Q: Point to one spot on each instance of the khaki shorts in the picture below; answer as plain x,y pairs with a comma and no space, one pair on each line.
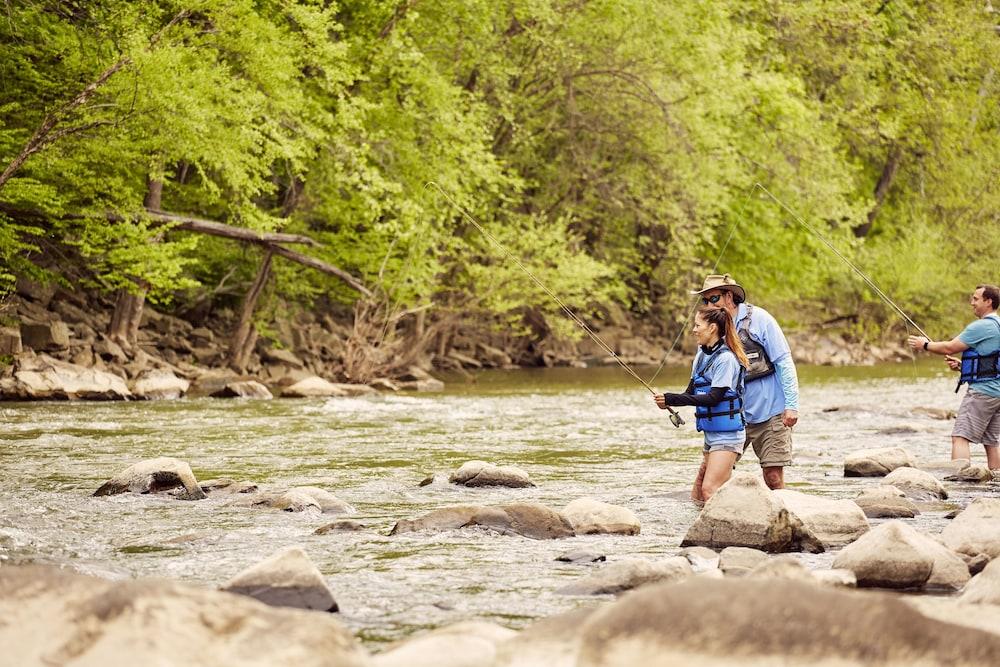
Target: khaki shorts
771,442
978,419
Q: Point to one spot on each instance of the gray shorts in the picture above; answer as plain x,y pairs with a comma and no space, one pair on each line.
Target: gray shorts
734,447
978,419
771,442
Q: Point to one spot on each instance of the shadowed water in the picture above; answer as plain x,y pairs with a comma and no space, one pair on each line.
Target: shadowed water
576,432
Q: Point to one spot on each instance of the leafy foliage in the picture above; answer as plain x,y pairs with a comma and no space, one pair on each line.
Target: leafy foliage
613,146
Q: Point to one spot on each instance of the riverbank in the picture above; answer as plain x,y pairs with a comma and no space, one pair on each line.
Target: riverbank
60,336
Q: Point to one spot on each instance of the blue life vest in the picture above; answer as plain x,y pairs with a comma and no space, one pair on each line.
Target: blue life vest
726,415
979,367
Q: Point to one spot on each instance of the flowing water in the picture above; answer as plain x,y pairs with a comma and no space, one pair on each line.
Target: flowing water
586,432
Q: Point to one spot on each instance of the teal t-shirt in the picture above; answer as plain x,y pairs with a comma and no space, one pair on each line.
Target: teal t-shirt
983,336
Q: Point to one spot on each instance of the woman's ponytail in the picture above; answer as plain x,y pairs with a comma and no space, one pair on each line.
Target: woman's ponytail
727,331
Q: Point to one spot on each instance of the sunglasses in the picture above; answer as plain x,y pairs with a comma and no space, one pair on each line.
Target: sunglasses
712,299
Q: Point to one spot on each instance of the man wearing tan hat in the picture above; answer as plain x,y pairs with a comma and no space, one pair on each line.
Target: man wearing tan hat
771,397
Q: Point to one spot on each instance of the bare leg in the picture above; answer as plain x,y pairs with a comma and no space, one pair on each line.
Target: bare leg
696,489
992,457
774,477
718,470
960,448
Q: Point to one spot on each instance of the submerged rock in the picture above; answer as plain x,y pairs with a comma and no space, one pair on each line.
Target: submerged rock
286,579
589,516
301,498
481,473
152,476
886,502
628,574
894,555
877,462
526,519
52,616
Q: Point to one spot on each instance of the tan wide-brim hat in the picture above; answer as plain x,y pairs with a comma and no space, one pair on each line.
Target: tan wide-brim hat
724,282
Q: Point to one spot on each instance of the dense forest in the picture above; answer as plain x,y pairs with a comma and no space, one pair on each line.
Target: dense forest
297,154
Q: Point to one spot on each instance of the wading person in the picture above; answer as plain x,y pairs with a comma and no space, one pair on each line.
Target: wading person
979,413
771,398
716,391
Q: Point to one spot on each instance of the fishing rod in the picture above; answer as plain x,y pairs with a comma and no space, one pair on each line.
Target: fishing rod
878,291
675,417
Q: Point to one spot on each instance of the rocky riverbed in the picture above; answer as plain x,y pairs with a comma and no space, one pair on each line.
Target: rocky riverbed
559,566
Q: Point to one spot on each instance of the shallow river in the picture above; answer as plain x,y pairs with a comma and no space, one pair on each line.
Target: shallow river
576,432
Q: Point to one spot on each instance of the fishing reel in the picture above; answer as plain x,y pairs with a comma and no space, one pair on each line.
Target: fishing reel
675,419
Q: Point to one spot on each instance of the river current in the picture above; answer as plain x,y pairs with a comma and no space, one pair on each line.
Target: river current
577,432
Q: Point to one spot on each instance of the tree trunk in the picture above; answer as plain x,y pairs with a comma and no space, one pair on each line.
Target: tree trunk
881,189
245,336
124,328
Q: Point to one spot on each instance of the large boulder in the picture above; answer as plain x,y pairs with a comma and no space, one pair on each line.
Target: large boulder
152,476
526,519
45,336
886,502
894,555
159,384
54,617
984,588
10,342
286,579
589,516
465,644
877,462
916,484
976,530
745,513
628,574
833,522
664,625
44,378
481,473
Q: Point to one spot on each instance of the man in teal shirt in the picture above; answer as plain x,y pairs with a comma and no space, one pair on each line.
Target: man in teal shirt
979,414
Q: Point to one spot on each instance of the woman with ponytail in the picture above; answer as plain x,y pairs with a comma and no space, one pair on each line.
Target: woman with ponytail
716,391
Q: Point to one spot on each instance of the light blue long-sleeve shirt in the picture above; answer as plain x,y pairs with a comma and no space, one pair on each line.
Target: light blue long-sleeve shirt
772,395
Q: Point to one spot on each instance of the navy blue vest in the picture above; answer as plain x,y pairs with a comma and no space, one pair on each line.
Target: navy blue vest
978,367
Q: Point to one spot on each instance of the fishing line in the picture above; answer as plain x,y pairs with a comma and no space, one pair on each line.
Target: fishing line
715,268
675,417
869,281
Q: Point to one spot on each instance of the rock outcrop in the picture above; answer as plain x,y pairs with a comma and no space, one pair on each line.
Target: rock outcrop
833,522
916,484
